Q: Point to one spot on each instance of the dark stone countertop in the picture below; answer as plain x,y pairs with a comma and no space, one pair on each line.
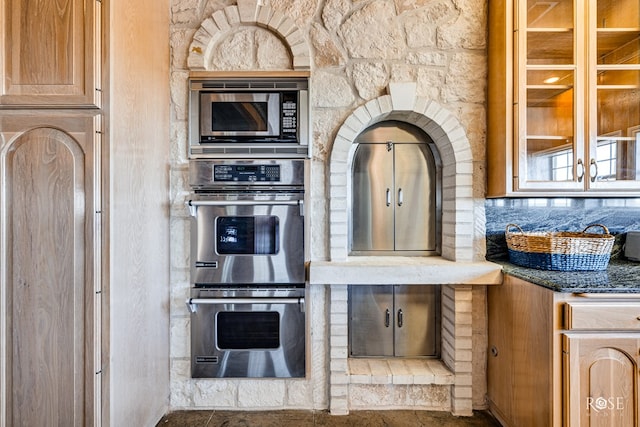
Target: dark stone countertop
621,276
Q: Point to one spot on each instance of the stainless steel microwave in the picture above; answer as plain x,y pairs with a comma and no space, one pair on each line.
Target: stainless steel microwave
262,117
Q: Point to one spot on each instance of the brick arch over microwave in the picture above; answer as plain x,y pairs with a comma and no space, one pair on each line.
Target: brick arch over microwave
454,148
247,12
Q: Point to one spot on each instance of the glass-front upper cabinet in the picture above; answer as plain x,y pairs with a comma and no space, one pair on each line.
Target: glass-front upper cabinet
614,94
565,109
548,93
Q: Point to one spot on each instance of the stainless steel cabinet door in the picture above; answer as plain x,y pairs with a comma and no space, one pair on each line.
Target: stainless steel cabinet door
371,320
394,320
415,222
373,207
416,320
394,198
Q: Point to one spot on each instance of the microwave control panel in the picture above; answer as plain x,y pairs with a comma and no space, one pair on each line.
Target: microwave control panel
289,114
246,173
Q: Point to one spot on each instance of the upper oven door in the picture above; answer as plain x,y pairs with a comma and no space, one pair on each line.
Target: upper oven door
247,241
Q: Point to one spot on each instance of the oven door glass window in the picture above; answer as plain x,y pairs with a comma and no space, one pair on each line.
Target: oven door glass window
244,330
247,235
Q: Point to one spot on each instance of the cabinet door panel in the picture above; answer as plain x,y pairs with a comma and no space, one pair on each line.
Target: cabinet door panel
371,320
415,222
50,52
601,379
373,205
416,319
47,205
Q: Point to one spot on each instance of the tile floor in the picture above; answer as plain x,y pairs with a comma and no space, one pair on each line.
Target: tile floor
324,419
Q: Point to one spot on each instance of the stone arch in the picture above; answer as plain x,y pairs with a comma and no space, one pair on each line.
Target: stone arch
247,13
443,127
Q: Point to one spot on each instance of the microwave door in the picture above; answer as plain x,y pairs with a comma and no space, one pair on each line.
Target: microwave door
228,115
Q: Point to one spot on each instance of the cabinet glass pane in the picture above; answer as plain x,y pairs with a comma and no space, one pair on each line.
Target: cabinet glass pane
550,14
550,111
618,14
549,47
550,78
550,34
550,125
618,141
550,159
618,47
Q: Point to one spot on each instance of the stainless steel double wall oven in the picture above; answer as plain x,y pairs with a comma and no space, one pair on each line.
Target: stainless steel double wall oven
247,268
248,144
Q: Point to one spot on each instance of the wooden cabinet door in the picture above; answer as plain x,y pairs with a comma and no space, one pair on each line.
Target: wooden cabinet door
50,52
520,368
601,379
500,376
48,288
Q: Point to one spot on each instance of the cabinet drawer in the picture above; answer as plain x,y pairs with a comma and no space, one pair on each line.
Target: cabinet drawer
602,315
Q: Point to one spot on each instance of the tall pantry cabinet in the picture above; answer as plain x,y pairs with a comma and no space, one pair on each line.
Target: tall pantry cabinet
83,212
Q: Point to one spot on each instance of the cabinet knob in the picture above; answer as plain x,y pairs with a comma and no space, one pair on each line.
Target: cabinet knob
494,351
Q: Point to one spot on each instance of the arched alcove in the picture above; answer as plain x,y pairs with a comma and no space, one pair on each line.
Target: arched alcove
249,13
454,149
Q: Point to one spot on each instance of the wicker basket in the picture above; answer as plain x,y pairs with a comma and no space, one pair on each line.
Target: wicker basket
562,251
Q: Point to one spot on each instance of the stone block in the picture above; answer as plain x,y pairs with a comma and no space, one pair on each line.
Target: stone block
403,95
247,10
220,18
214,394
179,337
261,393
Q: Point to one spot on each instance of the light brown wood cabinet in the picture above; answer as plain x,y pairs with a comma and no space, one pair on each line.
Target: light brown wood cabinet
50,53
562,359
602,362
564,98
50,157
84,222
48,281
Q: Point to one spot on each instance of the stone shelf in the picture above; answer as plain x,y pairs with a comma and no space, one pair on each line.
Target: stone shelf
389,270
398,371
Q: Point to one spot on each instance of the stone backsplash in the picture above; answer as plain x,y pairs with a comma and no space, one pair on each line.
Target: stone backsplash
559,214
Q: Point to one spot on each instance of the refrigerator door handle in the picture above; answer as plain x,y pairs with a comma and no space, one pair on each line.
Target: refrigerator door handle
400,318
387,318
388,197
400,198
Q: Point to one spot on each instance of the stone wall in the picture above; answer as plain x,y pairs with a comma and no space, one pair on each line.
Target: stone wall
355,48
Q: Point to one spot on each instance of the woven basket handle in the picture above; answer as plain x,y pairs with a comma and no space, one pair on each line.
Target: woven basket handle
513,225
604,229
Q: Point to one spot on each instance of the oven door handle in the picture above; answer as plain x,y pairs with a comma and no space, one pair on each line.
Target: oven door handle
192,204
192,302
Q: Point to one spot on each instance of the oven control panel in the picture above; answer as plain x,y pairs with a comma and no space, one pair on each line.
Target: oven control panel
246,173
215,175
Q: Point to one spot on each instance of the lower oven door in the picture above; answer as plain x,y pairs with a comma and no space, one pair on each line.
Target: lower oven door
258,241
247,333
